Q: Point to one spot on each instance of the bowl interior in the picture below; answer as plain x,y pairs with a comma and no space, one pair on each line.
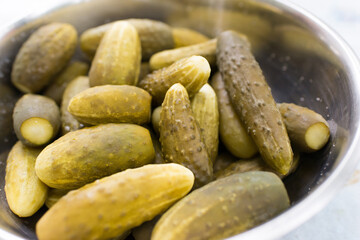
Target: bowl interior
298,64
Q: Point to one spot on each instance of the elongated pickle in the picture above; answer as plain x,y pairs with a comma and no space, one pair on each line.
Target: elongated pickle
36,119
25,193
54,196
223,208
168,57
232,131
206,112
42,56
192,73
252,100
154,35
111,104
186,37
68,121
85,155
155,119
101,210
308,131
118,58
56,89
180,136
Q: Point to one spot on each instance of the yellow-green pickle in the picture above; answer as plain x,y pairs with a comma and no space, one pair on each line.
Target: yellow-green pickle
252,100
113,205
111,104
25,193
118,57
42,56
192,72
82,156
223,208
186,37
232,131
180,136
36,119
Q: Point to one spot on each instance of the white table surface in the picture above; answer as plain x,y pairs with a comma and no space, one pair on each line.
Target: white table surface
340,219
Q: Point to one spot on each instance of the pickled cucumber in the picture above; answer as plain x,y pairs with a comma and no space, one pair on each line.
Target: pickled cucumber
192,73
252,100
225,207
42,56
113,205
180,136
111,104
25,193
36,119
82,156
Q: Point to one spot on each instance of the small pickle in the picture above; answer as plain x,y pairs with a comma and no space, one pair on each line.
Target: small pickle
42,56
168,57
185,37
180,136
101,210
56,89
154,35
308,131
25,193
192,73
118,58
232,131
85,155
205,108
223,208
68,121
111,104
36,119
252,100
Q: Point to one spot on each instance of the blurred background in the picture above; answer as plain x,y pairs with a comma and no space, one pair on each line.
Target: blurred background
341,218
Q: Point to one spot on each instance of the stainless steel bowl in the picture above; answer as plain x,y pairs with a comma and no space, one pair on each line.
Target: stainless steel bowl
303,60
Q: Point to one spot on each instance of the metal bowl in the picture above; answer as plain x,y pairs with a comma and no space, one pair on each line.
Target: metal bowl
303,60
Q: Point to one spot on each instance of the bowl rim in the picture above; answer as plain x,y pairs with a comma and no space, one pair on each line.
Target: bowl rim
308,206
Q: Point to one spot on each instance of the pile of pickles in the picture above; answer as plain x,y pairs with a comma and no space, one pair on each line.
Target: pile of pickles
128,144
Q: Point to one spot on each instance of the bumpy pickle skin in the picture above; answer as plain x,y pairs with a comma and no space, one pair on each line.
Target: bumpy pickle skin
42,56
180,136
192,72
68,122
111,104
25,193
252,100
36,119
101,210
82,156
308,131
167,57
154,35
232,131
223,208
56,89
118,57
